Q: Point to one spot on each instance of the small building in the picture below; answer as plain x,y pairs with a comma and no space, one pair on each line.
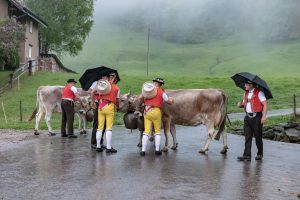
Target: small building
28,50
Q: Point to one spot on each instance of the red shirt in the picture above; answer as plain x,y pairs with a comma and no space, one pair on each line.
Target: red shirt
156,101
112,95
67,93
255,103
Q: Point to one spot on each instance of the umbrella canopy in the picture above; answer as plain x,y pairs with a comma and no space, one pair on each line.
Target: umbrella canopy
94,74
241,78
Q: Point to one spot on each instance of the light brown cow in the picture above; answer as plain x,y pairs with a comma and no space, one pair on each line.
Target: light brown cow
191,107
49,101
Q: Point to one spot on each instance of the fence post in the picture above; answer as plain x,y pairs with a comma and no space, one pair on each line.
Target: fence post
294,108
10,82
30,68
4,112
21,113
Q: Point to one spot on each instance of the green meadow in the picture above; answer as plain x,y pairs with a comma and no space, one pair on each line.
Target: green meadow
206,65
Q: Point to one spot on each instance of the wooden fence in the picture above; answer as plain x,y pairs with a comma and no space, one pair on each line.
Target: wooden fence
14,78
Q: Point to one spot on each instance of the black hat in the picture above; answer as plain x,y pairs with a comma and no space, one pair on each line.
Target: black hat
159,80
249,82
71,80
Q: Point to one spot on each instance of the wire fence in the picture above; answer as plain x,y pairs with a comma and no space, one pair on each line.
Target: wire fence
14,78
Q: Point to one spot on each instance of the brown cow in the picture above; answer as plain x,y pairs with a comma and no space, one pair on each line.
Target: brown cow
191,107
49,101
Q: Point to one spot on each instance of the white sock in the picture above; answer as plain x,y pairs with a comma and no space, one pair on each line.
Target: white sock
144,142
157,142
98,138
108,138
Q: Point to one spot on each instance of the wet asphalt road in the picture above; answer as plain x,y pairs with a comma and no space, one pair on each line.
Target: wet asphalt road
56,168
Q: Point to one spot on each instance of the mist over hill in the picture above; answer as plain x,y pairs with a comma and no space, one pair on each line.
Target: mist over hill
194,21
194,37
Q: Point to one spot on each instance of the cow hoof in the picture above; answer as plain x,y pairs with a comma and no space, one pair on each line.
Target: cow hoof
174,147
83,132
139,145
165,149
52,134
36,132
203,151
217,138
224,151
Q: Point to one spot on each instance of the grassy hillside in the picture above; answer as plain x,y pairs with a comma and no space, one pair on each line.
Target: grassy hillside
126,50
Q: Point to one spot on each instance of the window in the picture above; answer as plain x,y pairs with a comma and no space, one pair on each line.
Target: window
29,51
30,27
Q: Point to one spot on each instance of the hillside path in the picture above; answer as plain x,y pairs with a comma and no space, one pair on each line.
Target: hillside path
271,113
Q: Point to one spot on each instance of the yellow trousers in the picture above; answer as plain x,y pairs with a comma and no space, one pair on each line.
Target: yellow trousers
106,114
152,117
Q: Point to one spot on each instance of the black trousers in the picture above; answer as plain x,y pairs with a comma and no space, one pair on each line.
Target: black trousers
95,127
67,111
253,126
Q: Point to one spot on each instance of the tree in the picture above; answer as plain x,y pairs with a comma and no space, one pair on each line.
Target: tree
12,34
69,23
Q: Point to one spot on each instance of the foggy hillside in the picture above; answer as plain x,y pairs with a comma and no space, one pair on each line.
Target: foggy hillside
196,21
197,37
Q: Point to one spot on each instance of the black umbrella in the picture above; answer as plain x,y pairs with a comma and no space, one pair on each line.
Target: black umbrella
241,78
94,74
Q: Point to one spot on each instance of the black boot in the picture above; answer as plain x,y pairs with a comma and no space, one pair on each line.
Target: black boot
244,158
112,150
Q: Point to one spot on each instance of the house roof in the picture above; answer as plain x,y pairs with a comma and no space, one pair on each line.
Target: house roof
26,11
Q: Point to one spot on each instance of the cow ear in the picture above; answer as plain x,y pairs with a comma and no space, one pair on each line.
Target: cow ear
131,99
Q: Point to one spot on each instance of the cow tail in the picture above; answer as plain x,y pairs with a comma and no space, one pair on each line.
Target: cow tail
36,107
223,117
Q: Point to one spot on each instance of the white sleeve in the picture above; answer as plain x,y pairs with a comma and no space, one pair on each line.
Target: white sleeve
261,96
74,89
93,86
165,97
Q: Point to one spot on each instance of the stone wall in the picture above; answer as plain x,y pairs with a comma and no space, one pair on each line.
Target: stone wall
283,132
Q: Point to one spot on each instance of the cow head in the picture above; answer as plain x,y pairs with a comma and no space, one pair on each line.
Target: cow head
83,106
127,102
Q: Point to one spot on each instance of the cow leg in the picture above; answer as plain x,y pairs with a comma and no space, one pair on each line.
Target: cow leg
48,122
102,136
173,132
82,121
210,132
79,122
140,141
84,124
166,125
38,117
225,147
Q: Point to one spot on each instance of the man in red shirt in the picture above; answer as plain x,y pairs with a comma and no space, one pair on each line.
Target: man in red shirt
95,98
255,105
153,116
107,105
69,93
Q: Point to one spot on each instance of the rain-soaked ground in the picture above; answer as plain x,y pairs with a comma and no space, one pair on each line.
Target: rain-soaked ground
62,168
